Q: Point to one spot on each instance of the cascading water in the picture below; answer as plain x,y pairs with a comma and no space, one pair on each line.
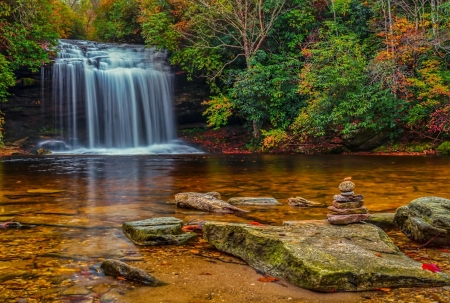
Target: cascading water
117,99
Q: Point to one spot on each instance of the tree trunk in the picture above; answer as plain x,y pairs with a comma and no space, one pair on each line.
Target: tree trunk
256,130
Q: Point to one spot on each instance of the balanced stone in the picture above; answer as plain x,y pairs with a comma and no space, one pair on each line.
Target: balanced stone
347,186
343,205
347,219
348,193
348,211
354,198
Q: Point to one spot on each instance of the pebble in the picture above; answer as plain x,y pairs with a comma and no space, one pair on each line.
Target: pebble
344,205
347,186
348,211
76,290
348,193
347,219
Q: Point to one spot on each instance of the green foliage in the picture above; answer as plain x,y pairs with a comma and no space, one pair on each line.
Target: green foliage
444,148
266,92
28,29
117,21
6,78
340,95
218,111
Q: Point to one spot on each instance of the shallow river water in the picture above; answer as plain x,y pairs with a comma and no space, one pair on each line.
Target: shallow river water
72,209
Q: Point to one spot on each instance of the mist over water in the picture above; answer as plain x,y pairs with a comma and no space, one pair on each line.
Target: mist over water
113,99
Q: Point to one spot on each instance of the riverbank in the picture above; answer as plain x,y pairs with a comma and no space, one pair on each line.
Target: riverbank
237,140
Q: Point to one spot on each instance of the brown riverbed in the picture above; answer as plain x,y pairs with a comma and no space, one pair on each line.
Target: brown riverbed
70,231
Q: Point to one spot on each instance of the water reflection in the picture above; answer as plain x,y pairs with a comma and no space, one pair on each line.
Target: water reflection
76,228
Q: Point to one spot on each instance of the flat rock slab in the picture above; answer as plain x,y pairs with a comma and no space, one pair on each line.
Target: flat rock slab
262,201
157,231
321,256
424,219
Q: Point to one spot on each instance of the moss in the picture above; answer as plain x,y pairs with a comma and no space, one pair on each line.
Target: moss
28,81
444,148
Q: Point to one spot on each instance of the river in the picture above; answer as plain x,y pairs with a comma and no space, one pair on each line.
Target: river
72,207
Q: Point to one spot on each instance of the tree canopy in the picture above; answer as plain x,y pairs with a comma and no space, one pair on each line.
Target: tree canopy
293,69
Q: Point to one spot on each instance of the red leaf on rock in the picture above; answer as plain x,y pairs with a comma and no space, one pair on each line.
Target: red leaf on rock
256,223
191,228
430,266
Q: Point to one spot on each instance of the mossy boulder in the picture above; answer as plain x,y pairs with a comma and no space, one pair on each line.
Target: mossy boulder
157,231
323,257
424,219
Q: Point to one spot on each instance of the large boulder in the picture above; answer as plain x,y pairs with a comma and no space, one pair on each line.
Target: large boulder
323,257
157,231
425,219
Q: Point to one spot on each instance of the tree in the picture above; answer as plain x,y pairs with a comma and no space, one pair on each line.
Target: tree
340,95
28,28
117,21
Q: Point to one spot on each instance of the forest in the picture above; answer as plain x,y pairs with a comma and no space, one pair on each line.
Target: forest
293,70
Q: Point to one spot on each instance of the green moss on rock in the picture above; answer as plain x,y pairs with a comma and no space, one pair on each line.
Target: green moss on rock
323,257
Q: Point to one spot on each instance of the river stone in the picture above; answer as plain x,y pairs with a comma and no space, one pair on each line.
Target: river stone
349,211
204,202
157,231
324,257
348,193
347,186
253,201
302,202
214,194
425,218
343,205
116,268
76,290
355,198
346,219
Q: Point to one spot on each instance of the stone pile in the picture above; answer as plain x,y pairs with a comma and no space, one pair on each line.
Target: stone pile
347,207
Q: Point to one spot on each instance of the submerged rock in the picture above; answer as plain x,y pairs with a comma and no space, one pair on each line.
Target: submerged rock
204,202
302,202
424,219
262,201
324,257
116,268
157,231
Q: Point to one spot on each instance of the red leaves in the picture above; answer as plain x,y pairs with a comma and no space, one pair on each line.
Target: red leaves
256,223
431,267
444,250
191,228
268,279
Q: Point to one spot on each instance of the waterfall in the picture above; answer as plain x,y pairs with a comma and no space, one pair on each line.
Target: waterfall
109,96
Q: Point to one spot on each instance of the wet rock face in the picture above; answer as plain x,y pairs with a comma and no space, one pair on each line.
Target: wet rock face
424,219
324,257
117,268
157,231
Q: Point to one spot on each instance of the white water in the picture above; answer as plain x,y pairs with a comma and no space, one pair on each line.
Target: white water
124,95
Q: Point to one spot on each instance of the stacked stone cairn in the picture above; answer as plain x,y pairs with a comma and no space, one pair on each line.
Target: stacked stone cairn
347,207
